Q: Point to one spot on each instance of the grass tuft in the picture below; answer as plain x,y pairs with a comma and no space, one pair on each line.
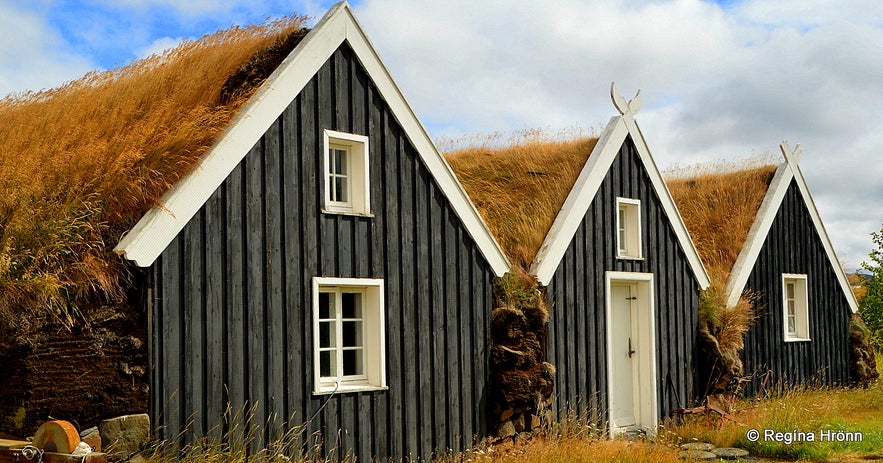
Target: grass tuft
81,162
519,183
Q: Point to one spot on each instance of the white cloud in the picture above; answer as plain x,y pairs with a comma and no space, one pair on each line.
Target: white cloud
33,56
717,82
158,46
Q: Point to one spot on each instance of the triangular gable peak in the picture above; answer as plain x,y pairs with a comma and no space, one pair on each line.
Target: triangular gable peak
787,171
589,181
153,233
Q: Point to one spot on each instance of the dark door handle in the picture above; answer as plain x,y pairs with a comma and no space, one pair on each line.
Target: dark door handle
631,351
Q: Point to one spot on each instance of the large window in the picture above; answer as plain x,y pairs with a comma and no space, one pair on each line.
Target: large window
347,183
348,334
628,228
796,312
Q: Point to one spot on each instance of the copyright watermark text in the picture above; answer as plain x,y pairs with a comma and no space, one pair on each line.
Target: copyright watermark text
790,437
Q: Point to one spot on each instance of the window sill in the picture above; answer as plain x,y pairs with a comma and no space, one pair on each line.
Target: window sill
351,388
798,339
629,257
351,213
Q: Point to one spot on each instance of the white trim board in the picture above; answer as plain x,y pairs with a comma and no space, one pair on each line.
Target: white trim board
159,226
586,187
769,207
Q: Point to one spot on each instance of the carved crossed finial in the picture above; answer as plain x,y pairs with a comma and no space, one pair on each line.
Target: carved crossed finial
621,104
791,156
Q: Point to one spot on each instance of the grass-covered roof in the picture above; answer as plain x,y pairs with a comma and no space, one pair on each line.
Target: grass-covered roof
719,203
519,188
79,164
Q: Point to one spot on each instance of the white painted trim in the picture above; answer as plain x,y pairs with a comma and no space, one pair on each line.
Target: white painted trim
159,226
770,205
649,407
374,350
359,174
802,309
583,192
633,233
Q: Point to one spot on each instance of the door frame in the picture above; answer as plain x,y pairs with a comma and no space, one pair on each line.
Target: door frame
647,408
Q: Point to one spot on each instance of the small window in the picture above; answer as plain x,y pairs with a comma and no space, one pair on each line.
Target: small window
347,184
628,228
796,313
348,335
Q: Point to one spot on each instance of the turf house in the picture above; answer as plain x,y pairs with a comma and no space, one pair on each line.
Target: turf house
620,276
314,258
776,277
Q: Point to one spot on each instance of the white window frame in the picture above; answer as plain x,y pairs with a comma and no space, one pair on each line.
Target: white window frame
632,248
373,337
358,201
801,307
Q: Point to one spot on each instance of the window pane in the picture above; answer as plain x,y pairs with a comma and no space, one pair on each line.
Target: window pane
351,305
352,362
352,334
339,193
340,161
792,324
622,228
327,334
326,305
790,290
328,363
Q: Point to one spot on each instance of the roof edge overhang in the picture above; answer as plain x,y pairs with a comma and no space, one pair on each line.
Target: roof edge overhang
786,172
589,181
161,224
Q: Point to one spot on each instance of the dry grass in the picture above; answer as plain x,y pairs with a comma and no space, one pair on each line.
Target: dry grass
519,188
80,163
719,206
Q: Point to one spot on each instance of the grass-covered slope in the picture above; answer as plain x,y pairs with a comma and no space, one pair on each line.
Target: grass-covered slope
79,164
520,187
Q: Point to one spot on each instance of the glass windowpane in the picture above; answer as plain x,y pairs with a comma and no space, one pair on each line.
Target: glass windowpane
326,305
327,334
340,193
352,334
352,362
351,305
328,363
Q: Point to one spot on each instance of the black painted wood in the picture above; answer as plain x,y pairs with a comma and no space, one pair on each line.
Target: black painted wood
794,246
232,314
577,327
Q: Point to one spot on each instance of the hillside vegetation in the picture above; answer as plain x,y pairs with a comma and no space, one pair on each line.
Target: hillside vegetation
79,164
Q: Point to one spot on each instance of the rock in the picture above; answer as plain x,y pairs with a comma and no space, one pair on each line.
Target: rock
518,421
730,453
506,414
697,455
702,446
92,437
523,436
533,422
125,435
506,429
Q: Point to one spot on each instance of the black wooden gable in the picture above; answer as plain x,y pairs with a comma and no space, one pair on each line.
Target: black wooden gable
793,246
231,295
576,294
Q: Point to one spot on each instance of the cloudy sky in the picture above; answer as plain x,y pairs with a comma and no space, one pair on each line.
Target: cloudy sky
720,80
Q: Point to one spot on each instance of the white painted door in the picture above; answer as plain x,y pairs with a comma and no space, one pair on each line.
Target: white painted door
624,355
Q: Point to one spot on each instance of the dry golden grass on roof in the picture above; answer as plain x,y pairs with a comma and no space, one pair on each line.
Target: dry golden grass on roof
79,164
719,204
519,188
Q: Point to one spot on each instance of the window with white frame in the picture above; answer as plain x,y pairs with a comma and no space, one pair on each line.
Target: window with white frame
796,308
348,335
347,183
628,228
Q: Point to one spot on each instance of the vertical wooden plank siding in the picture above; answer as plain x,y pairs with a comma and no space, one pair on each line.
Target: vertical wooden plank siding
576,294
233,295
794,246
